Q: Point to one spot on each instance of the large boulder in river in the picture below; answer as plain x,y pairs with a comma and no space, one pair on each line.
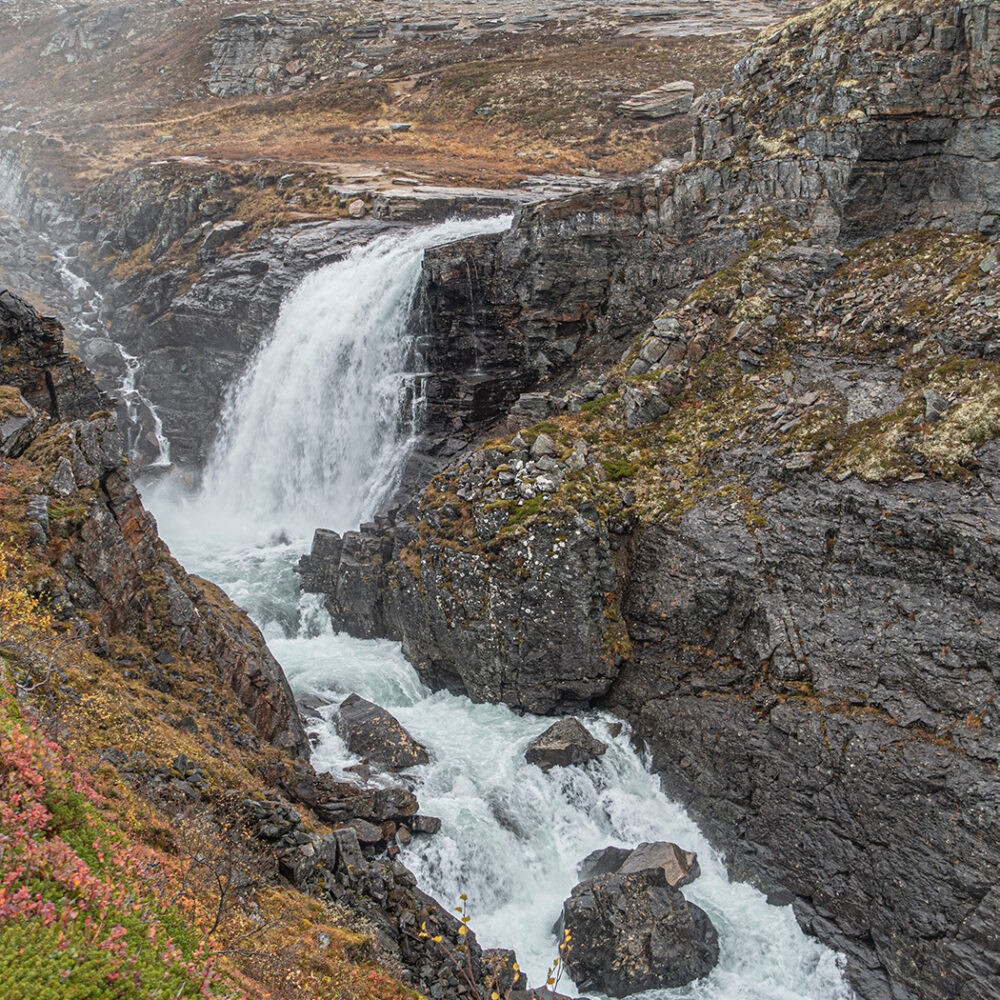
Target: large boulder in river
371,732
564,743
603,861
634,932
679,866
538,993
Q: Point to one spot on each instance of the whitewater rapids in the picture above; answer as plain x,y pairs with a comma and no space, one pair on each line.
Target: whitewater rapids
316,435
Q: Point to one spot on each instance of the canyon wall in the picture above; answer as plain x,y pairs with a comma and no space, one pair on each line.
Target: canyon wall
765,535
155,679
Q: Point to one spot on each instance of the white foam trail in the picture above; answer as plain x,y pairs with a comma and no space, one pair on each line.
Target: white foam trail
318,430
512,836
88,304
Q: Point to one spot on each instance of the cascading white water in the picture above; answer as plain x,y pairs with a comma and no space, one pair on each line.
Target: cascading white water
86,305
316,431
511,836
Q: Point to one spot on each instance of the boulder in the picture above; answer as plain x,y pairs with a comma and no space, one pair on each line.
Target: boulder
367,833
674,98
543,445
425,824
679,866
223,232
371,732
604,861
633,932
564,743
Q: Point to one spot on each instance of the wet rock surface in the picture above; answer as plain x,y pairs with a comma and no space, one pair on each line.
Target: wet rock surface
756,533
117,567
563,744
679,867
633,932
371,732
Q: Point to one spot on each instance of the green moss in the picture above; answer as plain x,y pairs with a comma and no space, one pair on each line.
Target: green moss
526,511
595,407
901,442
11,403
549,427
69,514
619,468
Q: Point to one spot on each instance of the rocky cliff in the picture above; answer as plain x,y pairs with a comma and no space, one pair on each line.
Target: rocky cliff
897,128
193,160
766,535
111,563
156,682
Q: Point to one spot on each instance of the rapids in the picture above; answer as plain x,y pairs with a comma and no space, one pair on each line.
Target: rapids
315,435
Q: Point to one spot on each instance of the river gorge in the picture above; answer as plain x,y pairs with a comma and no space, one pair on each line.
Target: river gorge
453,454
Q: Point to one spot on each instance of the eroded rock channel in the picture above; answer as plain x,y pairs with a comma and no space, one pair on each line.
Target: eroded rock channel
708,447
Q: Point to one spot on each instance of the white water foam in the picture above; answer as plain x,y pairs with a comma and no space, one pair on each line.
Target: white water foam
88,304
511,836
317,431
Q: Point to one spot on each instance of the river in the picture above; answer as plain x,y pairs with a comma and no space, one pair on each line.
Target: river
315,436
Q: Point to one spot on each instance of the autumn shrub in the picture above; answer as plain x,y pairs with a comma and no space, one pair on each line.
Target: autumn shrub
78,919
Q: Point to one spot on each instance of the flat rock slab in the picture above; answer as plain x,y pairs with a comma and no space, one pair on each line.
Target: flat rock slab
674,98
563,744
371,732
679,867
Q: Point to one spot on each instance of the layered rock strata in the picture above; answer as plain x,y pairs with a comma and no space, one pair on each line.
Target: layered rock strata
766,535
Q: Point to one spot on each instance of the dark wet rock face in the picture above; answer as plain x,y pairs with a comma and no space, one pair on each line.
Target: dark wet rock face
48,379
556,659
563,744
115,565
633,932
371,732
766,536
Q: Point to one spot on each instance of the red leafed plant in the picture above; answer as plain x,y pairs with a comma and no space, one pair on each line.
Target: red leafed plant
78,915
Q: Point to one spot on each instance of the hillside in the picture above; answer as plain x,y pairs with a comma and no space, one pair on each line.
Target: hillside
162,832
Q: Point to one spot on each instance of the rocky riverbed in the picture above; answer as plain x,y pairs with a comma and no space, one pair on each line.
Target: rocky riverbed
711,446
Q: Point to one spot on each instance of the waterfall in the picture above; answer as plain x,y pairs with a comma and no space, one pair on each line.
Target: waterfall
10,185
318,430
316,434
146,443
